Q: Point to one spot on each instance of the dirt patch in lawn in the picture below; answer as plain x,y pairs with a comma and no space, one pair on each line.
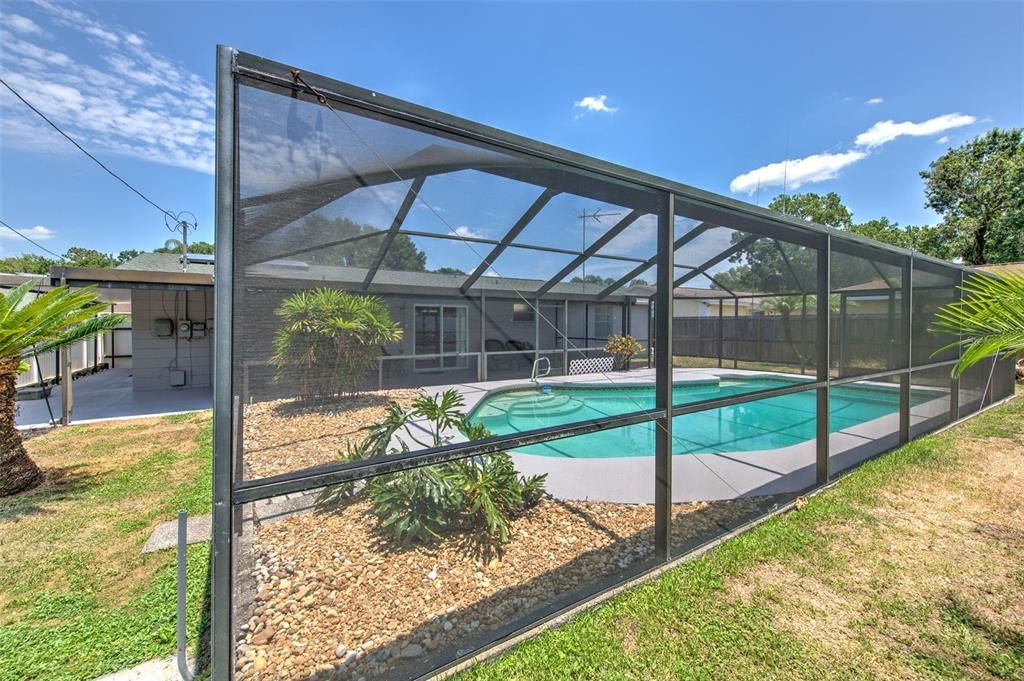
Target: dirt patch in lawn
931,582
336,599
288,435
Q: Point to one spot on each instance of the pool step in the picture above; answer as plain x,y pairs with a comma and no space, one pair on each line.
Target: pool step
552,405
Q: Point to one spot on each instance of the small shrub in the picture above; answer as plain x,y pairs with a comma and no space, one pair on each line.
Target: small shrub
329,340
622,349
422,503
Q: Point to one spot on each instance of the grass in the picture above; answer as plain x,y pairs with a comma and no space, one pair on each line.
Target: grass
77,599
910,567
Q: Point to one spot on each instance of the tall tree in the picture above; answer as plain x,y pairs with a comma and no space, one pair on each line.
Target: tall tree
825,209
978,189
195,247
51,320
402,255
27,263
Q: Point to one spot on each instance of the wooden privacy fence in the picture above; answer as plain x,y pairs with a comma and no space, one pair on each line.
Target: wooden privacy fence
864,341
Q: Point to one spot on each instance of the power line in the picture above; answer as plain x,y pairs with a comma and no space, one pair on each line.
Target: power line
98,162
32,241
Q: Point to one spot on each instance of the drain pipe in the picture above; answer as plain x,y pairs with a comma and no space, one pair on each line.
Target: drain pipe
182,644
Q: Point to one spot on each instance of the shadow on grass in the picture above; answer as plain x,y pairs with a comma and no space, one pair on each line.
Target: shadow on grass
59,484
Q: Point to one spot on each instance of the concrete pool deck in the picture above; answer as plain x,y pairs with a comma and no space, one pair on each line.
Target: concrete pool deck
702,476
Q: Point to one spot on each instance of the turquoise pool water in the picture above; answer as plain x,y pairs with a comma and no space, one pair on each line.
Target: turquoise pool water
764,424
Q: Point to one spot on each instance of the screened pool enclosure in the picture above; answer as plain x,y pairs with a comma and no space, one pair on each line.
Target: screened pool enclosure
430,432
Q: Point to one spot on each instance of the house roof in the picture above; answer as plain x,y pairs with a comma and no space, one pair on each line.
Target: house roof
1004,268
168,262
155,270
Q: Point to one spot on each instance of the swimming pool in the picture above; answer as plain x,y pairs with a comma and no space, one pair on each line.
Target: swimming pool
761,425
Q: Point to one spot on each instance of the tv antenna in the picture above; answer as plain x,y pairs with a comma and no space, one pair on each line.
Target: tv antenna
596,216
182,225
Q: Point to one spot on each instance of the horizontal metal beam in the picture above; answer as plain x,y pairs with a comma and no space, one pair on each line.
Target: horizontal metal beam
531,212
590,250
724,255
696,231
530,247
333,474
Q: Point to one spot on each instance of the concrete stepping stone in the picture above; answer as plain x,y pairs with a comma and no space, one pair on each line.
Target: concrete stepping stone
165,536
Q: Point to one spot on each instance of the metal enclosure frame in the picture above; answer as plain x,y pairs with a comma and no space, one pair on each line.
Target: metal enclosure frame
231,493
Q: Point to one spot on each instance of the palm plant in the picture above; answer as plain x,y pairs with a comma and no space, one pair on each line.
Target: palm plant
50,321
988,320
330,339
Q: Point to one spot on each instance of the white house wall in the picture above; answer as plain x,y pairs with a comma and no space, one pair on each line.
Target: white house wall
155,357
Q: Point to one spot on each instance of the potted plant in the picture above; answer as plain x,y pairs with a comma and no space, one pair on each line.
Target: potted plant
622,349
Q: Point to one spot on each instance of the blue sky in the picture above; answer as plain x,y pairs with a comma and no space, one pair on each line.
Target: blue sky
848,97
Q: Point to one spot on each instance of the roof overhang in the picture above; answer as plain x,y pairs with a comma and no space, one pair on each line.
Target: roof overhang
104,277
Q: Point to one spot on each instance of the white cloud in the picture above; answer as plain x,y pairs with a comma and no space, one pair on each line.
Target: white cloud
22,24
875,100
37,233
598,103
886,131
795,172
111,92
465,231
943,140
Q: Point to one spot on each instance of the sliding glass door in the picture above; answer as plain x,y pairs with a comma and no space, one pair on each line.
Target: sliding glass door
441,329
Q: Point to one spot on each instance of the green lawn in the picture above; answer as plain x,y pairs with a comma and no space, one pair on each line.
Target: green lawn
911,567
77,599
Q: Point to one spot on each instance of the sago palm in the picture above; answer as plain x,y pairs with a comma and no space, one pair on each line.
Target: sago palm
49,321
988,320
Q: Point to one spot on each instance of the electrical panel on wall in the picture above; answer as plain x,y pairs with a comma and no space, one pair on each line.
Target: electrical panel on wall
163,328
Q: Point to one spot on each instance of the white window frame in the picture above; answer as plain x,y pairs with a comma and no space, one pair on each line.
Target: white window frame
460,362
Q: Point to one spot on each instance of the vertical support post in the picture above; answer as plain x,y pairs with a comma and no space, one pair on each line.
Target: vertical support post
482,363
721,331
736,332
954,383
650,332
663,382
803,332
536,330
823,345
906,310
67,403
841,332
565,338
224,400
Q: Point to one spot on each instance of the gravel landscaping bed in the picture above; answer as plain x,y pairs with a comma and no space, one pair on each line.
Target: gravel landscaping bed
287,435
336,600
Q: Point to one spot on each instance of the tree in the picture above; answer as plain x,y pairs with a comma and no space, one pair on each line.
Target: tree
52,320
78,256
639,282
329,339
989,319
978,189
449,270
593,279
825,210
126,255
27,263
194,247
402,255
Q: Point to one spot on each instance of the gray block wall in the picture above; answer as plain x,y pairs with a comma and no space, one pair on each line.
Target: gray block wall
153,357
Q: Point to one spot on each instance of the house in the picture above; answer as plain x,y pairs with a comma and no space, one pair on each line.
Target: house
497,331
